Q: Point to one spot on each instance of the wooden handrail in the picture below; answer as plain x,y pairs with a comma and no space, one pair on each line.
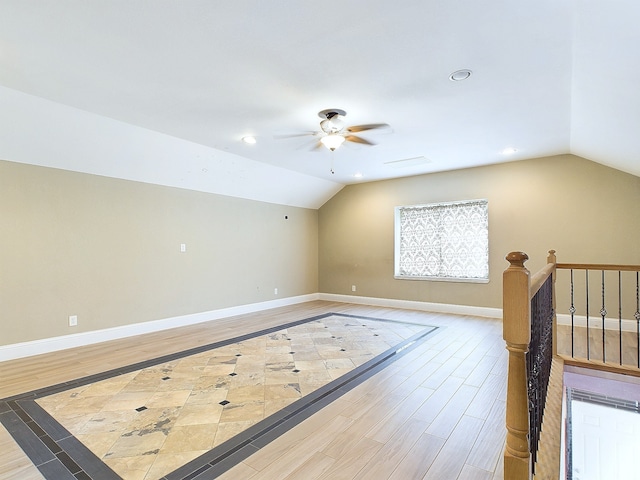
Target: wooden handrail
608,367
598,266
539,278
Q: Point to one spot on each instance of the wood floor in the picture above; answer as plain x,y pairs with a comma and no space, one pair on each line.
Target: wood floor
436,413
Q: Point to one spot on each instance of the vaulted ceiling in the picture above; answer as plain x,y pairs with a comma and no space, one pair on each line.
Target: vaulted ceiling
548,77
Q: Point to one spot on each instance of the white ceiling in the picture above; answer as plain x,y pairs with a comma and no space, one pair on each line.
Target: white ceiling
549,77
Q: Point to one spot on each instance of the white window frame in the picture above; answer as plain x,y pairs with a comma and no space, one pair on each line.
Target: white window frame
441,277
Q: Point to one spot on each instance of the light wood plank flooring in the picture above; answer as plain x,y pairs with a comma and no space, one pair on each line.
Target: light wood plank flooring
436,413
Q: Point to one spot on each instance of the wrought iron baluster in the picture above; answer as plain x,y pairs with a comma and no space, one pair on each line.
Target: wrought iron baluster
572,311
637,316
620,313
603,314
586,277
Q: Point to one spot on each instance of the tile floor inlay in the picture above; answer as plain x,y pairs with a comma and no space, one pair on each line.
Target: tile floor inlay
197,411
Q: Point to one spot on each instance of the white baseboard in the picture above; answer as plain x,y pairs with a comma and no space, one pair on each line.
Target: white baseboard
414,305
53,344
46,345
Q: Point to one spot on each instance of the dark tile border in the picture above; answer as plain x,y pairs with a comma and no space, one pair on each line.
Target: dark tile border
59,455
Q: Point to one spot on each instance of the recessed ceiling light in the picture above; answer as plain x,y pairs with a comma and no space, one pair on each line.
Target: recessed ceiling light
460,75
357,175
249,139
509,151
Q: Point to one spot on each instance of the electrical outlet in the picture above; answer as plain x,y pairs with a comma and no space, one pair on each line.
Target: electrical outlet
275,291
183,247
73,320
353,288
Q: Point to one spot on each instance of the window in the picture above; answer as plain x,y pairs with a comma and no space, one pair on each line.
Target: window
443,241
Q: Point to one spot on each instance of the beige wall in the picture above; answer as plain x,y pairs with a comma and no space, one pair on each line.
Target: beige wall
108,251
585,211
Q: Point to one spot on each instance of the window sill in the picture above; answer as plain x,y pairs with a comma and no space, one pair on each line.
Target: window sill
443,279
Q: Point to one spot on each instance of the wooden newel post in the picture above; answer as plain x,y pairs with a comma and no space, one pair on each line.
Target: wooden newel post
516,331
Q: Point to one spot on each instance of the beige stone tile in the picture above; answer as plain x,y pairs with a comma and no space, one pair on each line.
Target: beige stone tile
281,349
251,360
247,379
222,359
246,393
206,397
280,377
248,411
108,387
70,402
75,422
257,349
131,468
275,405
189,438
108,422
128,401
310,365
195,414
280,366
306,355
167,462
177,383
168,399
340,363
277,392
151,420
135,444
219,369
307,388
231,429
212,382
192,361
314,376
99,443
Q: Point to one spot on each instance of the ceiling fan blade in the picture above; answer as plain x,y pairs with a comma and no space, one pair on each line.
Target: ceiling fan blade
294,135
371,126
316,147
353,138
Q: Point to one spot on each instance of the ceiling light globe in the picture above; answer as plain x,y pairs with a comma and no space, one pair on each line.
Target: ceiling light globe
332,141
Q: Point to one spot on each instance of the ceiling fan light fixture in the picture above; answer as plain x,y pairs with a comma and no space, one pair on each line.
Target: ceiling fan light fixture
332,141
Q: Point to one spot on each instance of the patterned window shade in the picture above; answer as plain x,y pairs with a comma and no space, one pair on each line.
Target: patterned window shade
444,240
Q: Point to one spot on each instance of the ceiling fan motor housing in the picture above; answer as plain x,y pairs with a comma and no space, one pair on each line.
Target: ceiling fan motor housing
332,122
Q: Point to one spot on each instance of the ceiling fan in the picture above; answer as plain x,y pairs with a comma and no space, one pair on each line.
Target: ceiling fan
334,133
